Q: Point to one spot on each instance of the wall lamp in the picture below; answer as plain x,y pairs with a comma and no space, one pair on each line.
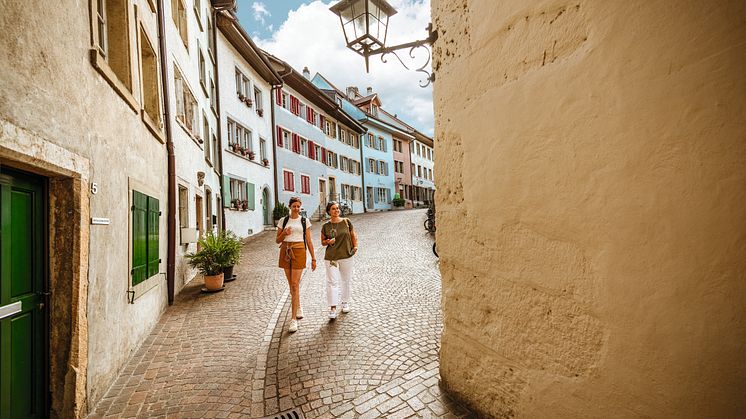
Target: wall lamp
365,26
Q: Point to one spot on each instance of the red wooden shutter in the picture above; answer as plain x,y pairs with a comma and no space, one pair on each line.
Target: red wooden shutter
323,155
296,143
322,122
278,96
311,150
279,136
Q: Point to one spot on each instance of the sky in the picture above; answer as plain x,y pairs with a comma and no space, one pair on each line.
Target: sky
307,34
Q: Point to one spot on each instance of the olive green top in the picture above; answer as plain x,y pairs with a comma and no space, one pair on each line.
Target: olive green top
342,247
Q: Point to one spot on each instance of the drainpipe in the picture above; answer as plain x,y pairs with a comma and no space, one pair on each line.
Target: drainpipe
273,101
364,191
171,212
219,157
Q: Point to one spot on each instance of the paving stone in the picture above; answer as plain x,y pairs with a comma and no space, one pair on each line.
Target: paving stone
230,355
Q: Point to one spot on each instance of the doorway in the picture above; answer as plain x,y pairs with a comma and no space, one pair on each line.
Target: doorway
208,209
265,206
200,221
23,289
322,193
369,191
333,189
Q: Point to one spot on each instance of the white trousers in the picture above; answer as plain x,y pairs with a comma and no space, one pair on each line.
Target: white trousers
338,280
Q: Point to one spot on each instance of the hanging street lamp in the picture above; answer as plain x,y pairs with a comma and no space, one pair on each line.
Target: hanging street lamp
365,26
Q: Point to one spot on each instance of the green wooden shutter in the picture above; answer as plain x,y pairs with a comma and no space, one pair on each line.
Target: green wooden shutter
139,237
250,195
154,259
226,192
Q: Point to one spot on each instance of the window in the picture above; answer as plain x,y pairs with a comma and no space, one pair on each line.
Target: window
239,137
178,13
382,195
243,87
207,136
112,27
198,11
258,101
183,207
186,105
305,184
263,148
213,96
285,101
288,183
150,92
214,143
286,137
210,37
304,147
317,152
202,69
419,171
242,195
145,234
355,140
370,141
343,136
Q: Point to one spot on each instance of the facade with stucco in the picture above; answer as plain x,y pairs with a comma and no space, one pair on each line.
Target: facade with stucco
422,156
80,111
245,84
604,142
193,111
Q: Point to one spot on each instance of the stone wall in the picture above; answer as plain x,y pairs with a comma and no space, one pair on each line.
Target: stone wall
591,193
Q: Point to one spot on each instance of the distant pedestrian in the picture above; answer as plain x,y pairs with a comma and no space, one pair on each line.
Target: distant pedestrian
294,237
340,240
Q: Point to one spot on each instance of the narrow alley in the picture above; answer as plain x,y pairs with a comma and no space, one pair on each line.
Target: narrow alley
229,354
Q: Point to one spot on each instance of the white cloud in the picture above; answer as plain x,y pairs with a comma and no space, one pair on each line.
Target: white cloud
312,36
260,12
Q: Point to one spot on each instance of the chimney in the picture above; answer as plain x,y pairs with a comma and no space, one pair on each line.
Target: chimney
369,91
352,92
306,73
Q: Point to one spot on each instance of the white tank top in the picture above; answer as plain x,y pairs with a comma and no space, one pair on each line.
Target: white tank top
297,229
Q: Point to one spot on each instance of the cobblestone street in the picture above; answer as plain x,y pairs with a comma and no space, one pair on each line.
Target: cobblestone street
229,354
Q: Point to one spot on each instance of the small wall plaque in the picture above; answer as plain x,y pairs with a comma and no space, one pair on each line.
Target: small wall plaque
100,221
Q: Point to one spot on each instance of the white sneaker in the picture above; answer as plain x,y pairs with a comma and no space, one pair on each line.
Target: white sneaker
300,313
332,314
293,326
345,307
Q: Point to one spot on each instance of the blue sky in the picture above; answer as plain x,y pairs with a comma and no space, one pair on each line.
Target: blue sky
306,33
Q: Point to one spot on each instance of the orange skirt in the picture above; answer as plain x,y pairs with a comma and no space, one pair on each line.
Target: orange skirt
295,251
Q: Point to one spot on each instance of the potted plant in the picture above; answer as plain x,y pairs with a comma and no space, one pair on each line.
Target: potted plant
245,205
251,155
398,201
235,147
235,204
233,248
266,162
241,97
213,255
249,102
281,210
260,112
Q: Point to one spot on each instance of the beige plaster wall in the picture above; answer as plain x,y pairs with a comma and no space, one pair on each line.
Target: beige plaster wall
57,111
591,195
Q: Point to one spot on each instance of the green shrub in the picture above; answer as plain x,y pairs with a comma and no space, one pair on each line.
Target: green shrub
398,202
214,254
281,210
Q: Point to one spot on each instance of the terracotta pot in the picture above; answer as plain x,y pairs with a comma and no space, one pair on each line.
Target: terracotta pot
214,282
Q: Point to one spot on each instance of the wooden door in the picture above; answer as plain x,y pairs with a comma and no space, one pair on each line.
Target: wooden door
23,324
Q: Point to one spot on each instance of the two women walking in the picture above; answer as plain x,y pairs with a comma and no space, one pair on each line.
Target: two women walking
294,237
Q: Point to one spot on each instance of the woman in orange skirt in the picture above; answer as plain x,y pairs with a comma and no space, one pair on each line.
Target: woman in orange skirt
294,236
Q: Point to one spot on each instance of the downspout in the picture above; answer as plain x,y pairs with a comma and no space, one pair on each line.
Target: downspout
171,211
219,157
364,191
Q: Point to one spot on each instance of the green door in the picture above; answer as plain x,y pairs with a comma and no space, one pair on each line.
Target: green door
22,312
265,206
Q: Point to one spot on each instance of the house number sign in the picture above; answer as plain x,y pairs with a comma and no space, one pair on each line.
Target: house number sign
94,188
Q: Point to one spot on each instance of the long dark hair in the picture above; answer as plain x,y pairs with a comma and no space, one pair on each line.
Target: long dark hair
329,206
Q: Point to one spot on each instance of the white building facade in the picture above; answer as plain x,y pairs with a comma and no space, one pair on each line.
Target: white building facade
245,87
423,178
193,113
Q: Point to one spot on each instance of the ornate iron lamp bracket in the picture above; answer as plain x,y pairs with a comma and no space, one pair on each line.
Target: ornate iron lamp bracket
423,43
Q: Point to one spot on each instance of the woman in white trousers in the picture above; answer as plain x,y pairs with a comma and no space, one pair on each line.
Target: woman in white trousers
338,235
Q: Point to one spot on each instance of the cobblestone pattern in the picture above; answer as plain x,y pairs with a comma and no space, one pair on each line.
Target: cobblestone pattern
389,340
229,354
202,357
